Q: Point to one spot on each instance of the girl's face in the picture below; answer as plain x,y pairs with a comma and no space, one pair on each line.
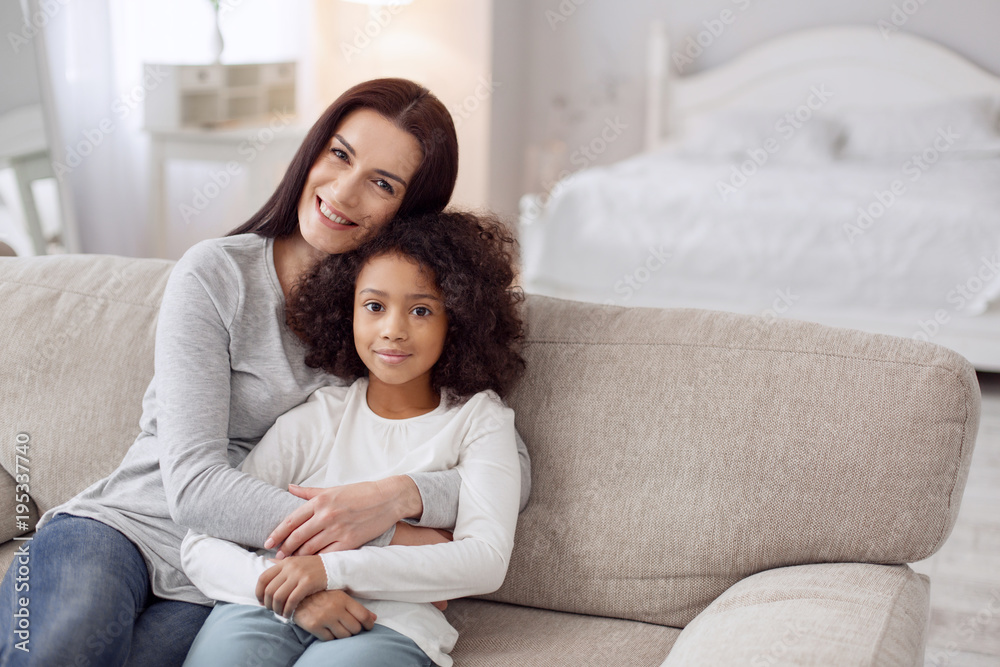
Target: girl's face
358,183
399,321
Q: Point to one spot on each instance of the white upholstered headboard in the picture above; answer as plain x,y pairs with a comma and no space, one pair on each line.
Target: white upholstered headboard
857,64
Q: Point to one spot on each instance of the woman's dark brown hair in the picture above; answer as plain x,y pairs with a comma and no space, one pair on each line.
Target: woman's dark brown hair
470,259
413,109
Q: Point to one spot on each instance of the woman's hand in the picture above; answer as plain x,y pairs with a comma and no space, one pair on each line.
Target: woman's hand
283,587
344,517
333,615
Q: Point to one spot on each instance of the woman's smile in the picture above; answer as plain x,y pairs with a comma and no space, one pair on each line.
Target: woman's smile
331,215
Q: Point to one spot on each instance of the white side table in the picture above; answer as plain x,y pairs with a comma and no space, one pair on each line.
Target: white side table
261,152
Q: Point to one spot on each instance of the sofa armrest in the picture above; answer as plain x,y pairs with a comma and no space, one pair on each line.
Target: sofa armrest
841,614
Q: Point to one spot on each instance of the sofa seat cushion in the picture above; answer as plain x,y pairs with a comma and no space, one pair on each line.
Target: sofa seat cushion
497,634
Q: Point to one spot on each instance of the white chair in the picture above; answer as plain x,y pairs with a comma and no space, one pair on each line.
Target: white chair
24,149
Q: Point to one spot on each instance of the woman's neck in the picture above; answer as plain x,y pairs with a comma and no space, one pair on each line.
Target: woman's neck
402,401
293,257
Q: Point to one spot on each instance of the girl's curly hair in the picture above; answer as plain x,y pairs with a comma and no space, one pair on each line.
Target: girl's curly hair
469,257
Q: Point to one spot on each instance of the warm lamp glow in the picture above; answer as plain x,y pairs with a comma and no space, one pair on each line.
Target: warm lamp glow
380,2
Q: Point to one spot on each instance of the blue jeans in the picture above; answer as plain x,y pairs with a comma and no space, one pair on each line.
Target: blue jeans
240,634
89,602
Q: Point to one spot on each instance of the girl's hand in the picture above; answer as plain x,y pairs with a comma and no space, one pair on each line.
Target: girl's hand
281,588
333,615
344,517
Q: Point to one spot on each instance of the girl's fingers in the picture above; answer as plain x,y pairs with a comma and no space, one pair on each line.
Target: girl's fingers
286,527
295,598
271,593
278,603
264,580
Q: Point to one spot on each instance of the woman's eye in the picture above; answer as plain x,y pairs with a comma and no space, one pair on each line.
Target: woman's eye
373,307
385,185
421,311
339,153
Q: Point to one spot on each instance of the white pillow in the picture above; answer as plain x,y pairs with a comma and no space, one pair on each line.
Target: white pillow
965,125
737,133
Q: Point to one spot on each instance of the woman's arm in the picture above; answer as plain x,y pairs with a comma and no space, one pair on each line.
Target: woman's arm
193,376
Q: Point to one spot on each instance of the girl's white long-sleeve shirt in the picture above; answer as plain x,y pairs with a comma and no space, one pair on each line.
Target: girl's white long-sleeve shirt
334,438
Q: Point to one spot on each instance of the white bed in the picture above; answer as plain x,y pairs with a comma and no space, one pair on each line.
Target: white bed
874,205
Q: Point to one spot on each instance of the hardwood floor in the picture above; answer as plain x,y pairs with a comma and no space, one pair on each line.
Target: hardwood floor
965,573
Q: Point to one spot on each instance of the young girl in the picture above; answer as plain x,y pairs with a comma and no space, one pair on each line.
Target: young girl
428,334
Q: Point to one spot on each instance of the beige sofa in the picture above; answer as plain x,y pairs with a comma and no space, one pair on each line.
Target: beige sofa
725,489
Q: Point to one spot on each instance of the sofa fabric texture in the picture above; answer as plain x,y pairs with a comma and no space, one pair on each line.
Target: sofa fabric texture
676,452
685,463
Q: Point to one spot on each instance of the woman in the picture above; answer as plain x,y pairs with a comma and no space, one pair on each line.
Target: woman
106,579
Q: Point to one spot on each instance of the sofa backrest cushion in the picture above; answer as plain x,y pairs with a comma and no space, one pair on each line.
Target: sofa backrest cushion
77,334
675,452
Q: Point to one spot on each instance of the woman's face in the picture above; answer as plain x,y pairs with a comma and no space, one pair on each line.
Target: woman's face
358,182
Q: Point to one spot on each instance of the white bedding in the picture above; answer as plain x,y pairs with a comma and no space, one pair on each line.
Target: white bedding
792,230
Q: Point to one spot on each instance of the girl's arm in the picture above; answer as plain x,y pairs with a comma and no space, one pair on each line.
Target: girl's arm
475,562
228,572
439,492
434,499
221,569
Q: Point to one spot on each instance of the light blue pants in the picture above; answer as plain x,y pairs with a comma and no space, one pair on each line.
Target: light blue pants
240,634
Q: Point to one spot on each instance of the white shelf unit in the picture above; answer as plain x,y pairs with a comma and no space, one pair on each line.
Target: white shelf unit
212,96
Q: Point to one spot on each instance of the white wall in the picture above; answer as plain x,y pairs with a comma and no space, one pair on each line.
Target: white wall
18,68
587,60
442,44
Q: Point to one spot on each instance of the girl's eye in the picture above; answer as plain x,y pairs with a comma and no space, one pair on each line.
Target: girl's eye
373,307
421,311
385,185
339,153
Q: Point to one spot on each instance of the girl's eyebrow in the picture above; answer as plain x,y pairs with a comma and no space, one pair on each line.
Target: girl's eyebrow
383,172
408,296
